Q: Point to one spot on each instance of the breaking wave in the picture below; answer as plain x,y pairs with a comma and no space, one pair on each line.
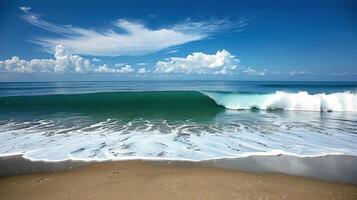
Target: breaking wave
302,101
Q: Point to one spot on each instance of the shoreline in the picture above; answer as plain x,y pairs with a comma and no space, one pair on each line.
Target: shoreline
332,168
161,180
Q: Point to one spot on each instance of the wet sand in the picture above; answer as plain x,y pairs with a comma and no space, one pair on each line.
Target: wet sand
335,168
150,180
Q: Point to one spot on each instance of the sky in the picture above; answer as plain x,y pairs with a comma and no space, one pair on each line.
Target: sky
181,40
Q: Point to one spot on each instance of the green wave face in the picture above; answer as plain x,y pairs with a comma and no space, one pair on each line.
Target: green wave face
161,105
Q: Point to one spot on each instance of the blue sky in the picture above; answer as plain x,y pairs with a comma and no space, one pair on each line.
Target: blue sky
233,40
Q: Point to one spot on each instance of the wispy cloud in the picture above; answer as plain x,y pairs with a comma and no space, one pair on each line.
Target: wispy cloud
96,60
25,8
134,38
172,51
253,72
301,72
257,72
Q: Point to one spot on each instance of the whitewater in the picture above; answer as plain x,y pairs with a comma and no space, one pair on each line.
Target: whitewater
300,101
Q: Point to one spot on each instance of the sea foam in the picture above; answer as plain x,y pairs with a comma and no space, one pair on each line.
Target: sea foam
231,134
341,101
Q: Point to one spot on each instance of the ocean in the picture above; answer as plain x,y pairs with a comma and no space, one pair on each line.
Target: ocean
176,120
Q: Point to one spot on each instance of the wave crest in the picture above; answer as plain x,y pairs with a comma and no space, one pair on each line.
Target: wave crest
341,101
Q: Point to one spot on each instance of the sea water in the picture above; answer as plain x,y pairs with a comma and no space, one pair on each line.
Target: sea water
176,120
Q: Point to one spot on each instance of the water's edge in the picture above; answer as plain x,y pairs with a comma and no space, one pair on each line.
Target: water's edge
334,168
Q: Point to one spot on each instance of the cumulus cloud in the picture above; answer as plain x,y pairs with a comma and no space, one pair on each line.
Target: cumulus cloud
223,62
220,63
142,70
126,69
134,38
123,70
63,62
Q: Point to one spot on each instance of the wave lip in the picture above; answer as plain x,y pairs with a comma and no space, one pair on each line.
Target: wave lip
303,101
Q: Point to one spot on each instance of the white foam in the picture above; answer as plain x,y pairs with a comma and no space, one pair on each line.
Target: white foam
341,101
230,135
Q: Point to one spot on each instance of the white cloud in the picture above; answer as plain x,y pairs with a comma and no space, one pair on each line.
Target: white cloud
199,63
122,70
294,73
119,64
142,70
221,63
253,72
172,51
137,39
105,69
256,72
63,62
342,74
25,8
96,60
127,69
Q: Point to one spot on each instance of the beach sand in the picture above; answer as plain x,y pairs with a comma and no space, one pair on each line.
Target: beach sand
147,180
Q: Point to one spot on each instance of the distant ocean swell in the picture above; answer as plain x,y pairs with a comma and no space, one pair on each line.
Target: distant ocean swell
187,102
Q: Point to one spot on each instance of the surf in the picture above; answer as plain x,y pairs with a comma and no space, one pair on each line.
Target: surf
175,125
299,101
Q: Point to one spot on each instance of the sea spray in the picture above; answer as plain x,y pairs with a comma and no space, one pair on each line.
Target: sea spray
300,101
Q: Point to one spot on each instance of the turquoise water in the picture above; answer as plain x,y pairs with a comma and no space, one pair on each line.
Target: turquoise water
176,120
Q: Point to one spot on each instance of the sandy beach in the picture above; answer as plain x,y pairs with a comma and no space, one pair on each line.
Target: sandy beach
145,180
